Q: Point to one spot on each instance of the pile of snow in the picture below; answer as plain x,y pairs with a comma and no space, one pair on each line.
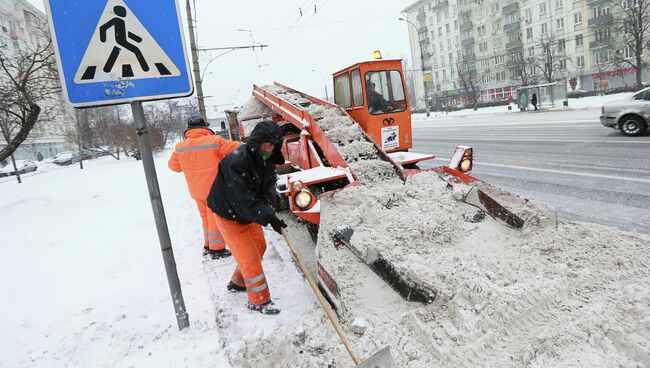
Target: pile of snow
575,295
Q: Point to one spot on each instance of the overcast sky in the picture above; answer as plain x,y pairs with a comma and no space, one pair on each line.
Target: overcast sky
340,33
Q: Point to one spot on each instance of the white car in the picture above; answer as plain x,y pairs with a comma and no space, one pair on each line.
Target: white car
22,166
631,115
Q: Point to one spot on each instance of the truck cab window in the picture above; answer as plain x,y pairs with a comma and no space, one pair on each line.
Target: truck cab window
385,92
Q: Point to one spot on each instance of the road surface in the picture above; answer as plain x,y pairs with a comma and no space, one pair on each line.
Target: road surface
563,158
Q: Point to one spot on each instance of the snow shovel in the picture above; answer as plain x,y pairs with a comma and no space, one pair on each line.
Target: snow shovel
382,359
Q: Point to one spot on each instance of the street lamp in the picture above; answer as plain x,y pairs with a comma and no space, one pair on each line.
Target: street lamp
426,93
327,97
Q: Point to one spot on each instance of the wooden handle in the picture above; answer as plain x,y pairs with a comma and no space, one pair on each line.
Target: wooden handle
322,300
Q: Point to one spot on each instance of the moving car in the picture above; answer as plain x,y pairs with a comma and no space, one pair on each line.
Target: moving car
631,115
23,166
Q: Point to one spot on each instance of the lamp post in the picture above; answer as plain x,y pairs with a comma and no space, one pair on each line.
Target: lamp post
327,97
426,93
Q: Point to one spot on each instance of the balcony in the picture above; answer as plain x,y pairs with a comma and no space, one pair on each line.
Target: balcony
512,26
596,2
512,63
423,30
599,44
466,26
513,45
599,21
511,8
441,4
424,42
467,42
421,17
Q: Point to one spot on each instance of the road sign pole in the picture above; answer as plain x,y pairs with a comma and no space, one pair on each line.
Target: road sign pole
159,214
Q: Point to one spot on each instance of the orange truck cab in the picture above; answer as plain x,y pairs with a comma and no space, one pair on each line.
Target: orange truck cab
373,93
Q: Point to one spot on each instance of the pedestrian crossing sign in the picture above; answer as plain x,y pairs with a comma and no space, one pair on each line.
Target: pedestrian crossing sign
119,51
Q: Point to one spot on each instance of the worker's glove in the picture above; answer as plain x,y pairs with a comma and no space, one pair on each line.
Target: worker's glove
277,224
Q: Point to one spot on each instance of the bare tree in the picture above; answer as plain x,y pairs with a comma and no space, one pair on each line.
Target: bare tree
632,25
29,80
551,59
468,78
522,66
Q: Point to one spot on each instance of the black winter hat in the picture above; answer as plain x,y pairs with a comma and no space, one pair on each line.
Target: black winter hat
196,122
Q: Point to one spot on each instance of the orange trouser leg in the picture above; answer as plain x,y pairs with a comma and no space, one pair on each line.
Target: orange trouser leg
247,245
211,233
203,211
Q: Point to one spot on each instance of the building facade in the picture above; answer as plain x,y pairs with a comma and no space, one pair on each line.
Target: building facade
21,26
501,44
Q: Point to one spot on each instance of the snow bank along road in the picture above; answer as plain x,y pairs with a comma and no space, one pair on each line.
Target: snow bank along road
563,158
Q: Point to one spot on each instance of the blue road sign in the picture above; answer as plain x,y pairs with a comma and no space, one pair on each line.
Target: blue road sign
119,51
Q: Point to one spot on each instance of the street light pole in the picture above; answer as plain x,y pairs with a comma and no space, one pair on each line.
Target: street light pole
198,82
327,97
424,84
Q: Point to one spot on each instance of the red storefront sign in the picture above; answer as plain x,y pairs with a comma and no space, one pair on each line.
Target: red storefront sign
614,73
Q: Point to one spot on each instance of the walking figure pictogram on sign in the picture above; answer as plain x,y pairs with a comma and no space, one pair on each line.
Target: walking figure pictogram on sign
121,48
121,35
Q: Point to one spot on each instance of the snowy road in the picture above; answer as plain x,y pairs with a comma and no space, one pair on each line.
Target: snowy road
564,158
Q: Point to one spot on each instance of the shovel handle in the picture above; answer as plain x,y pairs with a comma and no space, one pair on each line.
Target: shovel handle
321,299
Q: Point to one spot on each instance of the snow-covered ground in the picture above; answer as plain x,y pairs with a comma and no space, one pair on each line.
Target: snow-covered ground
592,102
83,282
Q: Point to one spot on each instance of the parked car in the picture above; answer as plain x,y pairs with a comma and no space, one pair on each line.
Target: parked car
630,115
22,166
65,158
70,157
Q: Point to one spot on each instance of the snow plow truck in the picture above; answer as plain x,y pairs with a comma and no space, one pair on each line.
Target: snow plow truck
363,135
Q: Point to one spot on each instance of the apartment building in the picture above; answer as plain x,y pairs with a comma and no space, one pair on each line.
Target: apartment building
492,40
20,25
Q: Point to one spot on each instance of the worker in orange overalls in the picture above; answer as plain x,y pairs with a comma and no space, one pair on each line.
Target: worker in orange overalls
241,198
198,157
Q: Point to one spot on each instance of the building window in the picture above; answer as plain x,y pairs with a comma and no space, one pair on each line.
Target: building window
528,14
577,18
501,76
483,47
561,44
542,10
579,40
559,4
559,23
498,42
544,28
529,33
580,61
562,64
481,31
531,51
499,60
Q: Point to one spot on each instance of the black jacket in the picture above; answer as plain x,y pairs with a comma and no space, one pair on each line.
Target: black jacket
245,184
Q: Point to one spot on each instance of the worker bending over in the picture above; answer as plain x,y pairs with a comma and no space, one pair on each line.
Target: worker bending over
240,198
198,157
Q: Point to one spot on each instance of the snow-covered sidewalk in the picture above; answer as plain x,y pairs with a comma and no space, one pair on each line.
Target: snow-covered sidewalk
593,102
84,283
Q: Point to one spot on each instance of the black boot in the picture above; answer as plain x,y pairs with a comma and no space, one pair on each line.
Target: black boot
234,288
217,254
266,308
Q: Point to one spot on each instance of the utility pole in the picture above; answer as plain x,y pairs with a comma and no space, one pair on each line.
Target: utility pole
198,82
426,93
327,97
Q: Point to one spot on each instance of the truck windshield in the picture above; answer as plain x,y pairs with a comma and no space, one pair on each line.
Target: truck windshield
385,92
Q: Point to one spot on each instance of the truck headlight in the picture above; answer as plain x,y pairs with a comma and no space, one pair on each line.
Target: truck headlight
303,199
465,165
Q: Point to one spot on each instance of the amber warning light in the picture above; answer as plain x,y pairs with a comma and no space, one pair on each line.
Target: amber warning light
377,54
